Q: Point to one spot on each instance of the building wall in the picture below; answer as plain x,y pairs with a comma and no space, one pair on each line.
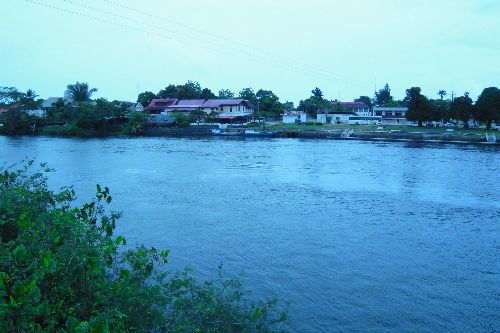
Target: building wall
340,118
290,119
237,110
321,118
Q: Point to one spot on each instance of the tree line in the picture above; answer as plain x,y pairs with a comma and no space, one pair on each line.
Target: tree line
420,108
81,113
77,112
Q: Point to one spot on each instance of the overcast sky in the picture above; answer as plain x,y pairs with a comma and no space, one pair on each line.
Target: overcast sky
289,46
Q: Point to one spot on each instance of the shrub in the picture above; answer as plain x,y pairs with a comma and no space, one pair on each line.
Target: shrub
63,270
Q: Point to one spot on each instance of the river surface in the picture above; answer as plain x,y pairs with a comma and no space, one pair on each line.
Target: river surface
357,236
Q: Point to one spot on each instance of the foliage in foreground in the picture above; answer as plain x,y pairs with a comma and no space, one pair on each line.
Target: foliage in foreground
62,270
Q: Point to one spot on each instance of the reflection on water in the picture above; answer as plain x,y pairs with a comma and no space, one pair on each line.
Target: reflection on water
358,236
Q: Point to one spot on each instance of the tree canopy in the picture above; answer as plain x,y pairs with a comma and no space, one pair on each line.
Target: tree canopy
80,91
383,96
145,98
487,108
419,107
225,94
315,103
461,109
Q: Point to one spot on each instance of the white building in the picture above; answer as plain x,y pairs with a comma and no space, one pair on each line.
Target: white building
294,117
341,117
391,115
321,118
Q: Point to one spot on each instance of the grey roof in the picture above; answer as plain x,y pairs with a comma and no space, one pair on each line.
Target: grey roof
215,103
51,100
189,103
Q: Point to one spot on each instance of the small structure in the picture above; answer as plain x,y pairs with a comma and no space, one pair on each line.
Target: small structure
36,113
322,118
294,117
49,102
136,107
341,117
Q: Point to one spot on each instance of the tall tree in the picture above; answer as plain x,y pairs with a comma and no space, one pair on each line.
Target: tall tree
169,91
487,107
207,94
439,110
367,100
316,92
442,93
288,106
145,98
226,94
189,90
419,108
268,103
315,104
249,95
383,96
461,109
80,92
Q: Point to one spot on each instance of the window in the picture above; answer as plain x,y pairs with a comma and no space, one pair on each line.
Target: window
231,109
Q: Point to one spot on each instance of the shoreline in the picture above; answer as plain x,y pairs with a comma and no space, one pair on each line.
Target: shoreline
374,136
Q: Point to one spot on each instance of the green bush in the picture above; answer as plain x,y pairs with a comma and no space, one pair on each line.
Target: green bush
63,270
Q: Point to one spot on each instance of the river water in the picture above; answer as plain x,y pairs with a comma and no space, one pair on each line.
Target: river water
357,236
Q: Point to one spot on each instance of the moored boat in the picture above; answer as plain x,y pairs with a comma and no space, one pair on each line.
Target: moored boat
254,133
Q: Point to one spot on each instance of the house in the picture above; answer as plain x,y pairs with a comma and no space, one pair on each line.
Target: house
185,105
294,117
131,106
157,105
229,109
36,113
391,115
357,108
137,107
49,102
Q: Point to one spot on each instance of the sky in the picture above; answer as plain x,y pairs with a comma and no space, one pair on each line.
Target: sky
346,48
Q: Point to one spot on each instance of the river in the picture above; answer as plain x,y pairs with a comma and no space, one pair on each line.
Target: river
357,236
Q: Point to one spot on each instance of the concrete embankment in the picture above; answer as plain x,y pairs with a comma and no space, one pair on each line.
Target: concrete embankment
181,131
436,137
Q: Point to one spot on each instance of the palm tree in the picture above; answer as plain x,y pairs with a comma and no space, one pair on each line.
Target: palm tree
80,92
442,93
31,94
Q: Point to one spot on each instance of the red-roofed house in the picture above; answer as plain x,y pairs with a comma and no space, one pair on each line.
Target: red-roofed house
157,105
358,108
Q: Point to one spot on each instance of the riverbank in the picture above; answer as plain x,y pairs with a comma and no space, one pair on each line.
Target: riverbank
325,132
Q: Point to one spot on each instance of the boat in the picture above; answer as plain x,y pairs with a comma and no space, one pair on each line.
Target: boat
263,133
222,132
